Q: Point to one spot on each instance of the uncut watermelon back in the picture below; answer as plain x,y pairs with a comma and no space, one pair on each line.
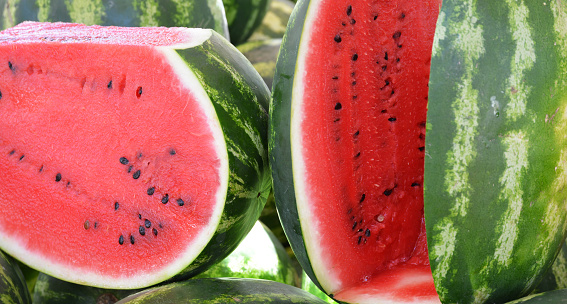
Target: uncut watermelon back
129,154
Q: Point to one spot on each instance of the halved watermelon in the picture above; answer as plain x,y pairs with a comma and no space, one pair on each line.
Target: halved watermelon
128,155
376,213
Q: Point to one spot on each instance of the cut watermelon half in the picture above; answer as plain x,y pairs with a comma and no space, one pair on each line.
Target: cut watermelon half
128,154
357,135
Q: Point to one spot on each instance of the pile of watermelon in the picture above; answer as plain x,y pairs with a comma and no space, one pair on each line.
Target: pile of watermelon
317,151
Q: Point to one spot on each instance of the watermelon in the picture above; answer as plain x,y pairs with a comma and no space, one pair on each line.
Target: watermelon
142,151
50,290
309,286
243,17
260,256
374,210
550,297
13,287
556,277
131,13
223,290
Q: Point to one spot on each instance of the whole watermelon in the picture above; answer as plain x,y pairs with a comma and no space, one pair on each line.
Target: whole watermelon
418,147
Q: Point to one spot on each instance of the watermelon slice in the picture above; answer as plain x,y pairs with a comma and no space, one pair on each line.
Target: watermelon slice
129,155
375,211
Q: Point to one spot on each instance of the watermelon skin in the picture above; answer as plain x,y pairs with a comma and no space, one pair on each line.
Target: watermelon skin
495,209
550,297
13,287
223,290
50,290
279,142
556,277
240,98
131,13
243,17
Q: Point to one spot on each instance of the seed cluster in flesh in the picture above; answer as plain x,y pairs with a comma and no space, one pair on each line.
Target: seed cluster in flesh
366,93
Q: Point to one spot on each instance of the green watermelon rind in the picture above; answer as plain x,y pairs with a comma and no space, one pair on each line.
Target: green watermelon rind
13,286
131,13
495,209
244,17
223,290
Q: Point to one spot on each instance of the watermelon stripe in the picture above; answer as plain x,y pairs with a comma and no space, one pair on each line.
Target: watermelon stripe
494,244
85,11
150,12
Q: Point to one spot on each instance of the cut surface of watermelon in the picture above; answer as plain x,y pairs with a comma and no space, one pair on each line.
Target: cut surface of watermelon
115,166
358,121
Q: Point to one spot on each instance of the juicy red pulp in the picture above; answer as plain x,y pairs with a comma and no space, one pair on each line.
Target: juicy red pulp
366,88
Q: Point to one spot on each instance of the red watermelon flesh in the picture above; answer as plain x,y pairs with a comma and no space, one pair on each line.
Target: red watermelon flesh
363,115
99,139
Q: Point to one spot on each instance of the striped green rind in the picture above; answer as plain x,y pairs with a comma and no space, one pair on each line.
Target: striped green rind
556,277
279,145
240,98
49,290
223,290
13,287
550,297
259,256
170,13
243,17
495,165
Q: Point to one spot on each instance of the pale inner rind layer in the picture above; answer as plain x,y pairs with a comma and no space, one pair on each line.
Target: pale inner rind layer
16,244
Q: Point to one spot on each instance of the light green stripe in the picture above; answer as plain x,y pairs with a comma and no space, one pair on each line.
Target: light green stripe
9,14
443,250
440,33
149,12
43,10
516,156
89,12
559,270
523,60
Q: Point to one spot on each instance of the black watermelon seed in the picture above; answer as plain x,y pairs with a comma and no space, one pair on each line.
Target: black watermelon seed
41,168
139,92
130,169
124,160
12,152
392,119
375,17
362,198
58,177
359,230
367,233
132,239
338,38
397,35
0,95
357,155
22,157
11,66
338,106
180,202
384,68
142,230
151,190
353,83
415,184
359,239
335,77
352,21
356,133
87,224
154,230
172,152
147,223
402,16
421,149
136,174
165,199
354,225
139,216
388,192
354,57
387,82
349,10
95,224
116,206
385,55
354,97
121,240
109,85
